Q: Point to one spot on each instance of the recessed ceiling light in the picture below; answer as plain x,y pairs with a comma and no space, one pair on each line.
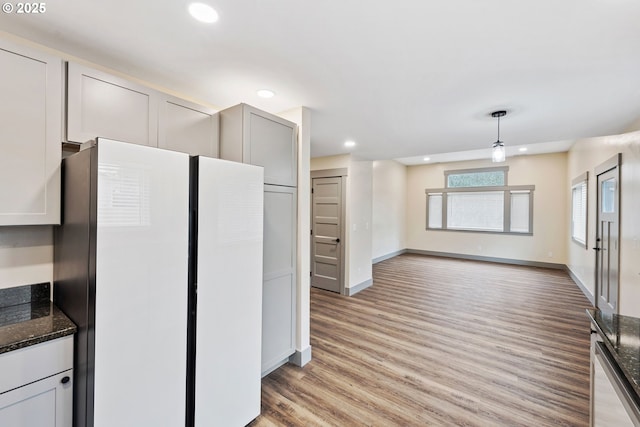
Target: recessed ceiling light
350,144
523,149
203,12
265,93
426,159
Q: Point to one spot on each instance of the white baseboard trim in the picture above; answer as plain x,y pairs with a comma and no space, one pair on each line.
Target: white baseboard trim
388,256
359,287
301,357
583,288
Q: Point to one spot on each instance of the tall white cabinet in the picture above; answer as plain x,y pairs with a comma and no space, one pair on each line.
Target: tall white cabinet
31,91
249,135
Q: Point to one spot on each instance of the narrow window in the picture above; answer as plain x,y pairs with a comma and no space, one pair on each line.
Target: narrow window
579,209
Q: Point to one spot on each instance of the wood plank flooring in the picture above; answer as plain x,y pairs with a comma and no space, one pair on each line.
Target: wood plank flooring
441,342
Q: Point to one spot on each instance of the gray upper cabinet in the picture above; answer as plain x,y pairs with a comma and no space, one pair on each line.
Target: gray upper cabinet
31,94
102,105
187,127
249,135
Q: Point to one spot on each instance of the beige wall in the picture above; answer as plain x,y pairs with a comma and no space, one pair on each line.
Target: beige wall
389,207
584,156
26,255
358,220
548,172
330,162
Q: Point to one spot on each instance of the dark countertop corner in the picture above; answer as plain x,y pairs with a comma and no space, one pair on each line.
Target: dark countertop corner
28,317
621,336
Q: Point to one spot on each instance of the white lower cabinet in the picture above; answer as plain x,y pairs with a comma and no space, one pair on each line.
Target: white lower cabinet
37,385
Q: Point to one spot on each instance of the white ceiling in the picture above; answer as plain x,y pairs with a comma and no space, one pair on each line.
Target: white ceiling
402,79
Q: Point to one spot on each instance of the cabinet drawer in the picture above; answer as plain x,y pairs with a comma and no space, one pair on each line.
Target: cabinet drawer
20,367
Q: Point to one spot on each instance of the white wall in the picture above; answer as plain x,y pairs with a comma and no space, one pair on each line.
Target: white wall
359,222
302,116
389,207
584,156
26,255
548,172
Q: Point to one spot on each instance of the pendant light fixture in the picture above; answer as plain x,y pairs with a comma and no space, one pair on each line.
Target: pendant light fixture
498,153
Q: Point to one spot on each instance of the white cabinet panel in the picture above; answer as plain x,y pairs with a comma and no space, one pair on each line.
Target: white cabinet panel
279,288
102,105
273,145
30,136
253,136
277,321
187,127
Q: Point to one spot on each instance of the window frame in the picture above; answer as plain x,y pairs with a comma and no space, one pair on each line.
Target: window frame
575,183
507,189
504,169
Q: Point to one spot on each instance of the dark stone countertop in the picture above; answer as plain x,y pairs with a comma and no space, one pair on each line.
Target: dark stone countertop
27,317
621,336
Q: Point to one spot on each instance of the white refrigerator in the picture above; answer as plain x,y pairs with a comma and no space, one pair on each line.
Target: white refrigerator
135,234
228,213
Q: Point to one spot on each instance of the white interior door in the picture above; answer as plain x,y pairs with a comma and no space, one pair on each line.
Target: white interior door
326,246
607,240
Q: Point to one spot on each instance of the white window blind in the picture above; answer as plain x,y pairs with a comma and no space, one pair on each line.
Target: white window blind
520,211
435,210
579,213
482,210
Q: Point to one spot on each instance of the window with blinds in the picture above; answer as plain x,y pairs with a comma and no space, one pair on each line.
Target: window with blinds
579,209
479,200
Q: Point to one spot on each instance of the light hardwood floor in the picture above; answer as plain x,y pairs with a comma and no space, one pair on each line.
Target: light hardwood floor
441,342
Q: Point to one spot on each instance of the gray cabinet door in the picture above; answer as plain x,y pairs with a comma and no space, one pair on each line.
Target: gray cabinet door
103,105
279,286
253,136
30,136
187,127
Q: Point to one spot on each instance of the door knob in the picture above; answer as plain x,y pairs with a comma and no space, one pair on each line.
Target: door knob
337,240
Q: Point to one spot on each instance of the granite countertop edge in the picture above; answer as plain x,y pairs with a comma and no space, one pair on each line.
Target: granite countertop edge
27,333
621,362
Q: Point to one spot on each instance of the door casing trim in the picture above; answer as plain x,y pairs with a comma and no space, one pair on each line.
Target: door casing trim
334,173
